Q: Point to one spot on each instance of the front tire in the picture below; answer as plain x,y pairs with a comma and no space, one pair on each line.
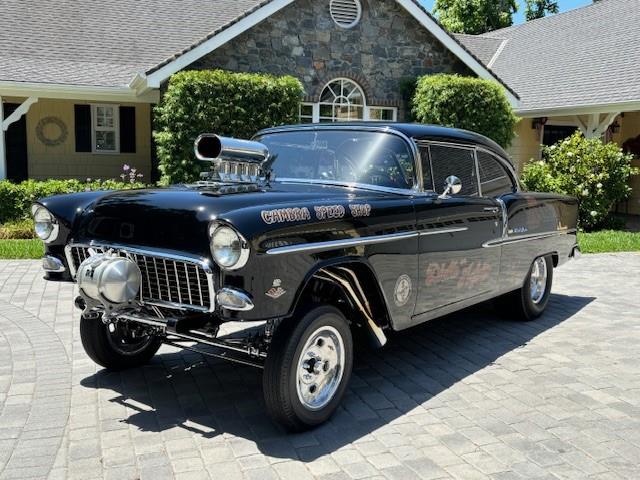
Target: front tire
308,368
530,301
114,347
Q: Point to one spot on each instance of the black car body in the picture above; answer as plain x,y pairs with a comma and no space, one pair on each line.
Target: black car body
363,217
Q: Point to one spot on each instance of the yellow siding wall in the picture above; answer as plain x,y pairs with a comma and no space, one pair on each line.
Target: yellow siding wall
630,128
62,161
526,144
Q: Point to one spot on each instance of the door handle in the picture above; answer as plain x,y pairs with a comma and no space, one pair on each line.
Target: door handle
492,209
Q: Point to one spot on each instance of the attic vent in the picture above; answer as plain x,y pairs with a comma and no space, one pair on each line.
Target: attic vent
346,13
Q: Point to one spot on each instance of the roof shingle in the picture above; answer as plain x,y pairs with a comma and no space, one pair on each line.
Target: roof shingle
582,57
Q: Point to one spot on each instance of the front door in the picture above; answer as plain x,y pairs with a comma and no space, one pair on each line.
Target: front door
454,263
16,146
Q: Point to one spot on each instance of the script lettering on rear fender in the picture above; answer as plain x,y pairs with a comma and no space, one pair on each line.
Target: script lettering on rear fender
284,215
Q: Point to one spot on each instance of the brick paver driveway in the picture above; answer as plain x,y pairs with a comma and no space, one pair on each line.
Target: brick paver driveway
469,396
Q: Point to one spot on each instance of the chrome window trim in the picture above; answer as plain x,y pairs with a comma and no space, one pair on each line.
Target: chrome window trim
418,183
204,263
344,243
361,186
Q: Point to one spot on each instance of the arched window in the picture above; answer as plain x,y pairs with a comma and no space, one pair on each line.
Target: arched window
343,100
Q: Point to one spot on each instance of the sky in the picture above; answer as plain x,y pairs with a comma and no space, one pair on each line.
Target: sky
519,17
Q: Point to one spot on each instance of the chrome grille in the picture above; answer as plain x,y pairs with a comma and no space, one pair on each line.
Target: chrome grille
165,281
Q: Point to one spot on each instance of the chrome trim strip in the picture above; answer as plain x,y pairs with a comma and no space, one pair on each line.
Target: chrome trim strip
440,231
335,244
526,238
204,263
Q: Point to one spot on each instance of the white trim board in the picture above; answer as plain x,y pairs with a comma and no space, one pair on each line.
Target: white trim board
77,92
156,78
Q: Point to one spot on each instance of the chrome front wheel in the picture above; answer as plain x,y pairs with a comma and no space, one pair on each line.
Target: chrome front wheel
320,368
308,368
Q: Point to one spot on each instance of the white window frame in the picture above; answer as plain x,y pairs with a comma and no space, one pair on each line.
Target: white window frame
95,128
366,109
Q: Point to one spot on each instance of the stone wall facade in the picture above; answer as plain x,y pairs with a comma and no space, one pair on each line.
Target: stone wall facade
387,46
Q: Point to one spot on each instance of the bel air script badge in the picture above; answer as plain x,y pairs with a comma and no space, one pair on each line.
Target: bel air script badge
276,290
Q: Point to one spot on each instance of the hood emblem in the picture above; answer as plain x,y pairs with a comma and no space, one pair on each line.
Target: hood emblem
276,290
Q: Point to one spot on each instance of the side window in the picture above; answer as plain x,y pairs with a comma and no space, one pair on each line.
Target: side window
426,167
456,161
494,178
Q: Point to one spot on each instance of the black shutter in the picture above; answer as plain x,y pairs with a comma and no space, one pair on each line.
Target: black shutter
83,127
127,129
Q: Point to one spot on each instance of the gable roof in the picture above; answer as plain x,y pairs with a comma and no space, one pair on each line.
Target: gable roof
92,43
140,43
577,60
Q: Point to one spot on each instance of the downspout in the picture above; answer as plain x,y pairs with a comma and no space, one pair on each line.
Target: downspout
3,159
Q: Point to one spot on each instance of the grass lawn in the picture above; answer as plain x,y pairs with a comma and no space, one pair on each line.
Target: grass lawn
609,241
21,249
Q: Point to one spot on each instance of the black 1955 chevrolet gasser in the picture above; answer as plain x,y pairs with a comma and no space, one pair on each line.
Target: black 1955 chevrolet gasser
315,234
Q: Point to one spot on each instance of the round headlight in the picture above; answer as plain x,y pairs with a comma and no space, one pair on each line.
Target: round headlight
46,225
229,249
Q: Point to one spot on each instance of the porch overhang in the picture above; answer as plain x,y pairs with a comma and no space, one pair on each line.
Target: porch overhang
124,94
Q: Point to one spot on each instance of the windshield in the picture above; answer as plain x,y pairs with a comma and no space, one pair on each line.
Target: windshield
343,156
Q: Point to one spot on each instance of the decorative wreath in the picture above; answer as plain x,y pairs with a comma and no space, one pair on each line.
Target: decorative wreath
52,142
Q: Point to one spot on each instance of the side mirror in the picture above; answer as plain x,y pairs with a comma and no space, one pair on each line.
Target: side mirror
452,185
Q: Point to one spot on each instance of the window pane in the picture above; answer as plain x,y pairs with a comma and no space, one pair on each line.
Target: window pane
306,110
104,117
494,179
381,114
426,168
372,158
454,161
105,141
554,133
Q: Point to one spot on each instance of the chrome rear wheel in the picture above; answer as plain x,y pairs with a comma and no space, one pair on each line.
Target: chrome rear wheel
538,280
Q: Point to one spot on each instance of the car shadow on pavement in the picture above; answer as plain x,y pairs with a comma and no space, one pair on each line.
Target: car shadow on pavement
209,397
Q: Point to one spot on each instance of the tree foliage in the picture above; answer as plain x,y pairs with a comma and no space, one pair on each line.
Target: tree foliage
475,16
539,8
225,103
596,173
465,102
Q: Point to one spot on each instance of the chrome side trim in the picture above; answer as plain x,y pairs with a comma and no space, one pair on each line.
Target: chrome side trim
335,244
440,231
204,263
526,238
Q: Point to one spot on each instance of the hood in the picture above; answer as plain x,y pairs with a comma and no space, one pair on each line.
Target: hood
177,218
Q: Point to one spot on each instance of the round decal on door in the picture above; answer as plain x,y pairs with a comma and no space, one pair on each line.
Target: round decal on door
402,292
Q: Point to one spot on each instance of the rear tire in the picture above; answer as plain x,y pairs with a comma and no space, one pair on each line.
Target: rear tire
115,350
308,368
530,301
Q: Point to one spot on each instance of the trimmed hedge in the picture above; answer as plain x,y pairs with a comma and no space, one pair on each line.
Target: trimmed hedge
596,173
216,101
16,198
465,102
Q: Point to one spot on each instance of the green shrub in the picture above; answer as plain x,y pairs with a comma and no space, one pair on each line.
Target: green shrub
17,230
215,101
465,102
16,198
594,172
